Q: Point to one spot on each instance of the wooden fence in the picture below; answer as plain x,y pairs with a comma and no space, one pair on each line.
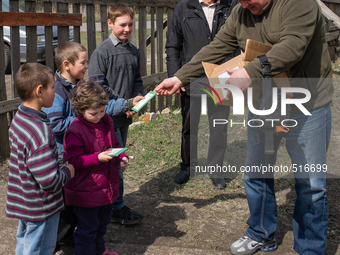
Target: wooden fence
151,48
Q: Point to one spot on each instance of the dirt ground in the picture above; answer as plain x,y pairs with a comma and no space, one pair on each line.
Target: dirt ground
210,226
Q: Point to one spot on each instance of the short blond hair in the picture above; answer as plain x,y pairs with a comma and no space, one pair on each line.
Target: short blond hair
67,51
119,10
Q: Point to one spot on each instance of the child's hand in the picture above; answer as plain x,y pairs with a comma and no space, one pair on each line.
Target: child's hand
124,163
103,157
136,100
71,168
129,114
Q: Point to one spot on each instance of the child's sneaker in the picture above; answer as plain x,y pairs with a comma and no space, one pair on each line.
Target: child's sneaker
246,245
107,252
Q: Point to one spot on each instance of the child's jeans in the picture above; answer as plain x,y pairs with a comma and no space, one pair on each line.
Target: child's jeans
37,237
91,228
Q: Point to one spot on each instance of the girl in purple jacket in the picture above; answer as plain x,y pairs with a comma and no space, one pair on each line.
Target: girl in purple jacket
95,185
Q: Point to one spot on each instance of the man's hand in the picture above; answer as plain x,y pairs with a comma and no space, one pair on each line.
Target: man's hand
136,99
129,114
239,78
168,87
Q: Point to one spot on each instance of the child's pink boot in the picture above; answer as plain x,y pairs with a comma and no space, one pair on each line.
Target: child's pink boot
107,252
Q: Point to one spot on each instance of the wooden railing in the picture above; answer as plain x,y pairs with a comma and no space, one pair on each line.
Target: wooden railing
151,48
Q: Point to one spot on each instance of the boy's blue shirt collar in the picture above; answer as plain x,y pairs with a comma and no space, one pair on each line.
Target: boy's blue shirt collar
115,41
34,113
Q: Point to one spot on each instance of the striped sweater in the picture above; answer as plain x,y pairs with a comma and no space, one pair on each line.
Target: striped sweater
35,181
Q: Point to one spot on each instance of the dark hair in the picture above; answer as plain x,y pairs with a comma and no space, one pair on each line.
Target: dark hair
67,51
88,95
119,10
29,76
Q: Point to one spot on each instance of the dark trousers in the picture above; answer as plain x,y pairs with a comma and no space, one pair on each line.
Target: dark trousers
91,228
67,223
191,113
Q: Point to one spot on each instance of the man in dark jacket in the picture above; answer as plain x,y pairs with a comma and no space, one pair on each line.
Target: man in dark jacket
193,26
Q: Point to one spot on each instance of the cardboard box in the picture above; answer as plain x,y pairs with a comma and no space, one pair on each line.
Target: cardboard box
253,50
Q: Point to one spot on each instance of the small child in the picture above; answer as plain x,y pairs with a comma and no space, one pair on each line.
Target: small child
35,180
95,185
115,65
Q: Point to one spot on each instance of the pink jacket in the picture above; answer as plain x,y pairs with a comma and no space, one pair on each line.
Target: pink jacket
95,183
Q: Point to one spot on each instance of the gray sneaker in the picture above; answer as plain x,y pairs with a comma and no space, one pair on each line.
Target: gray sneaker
246,245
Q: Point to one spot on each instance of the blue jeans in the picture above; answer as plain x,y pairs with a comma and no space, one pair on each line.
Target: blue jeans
121,135
37,237
307,144
91,228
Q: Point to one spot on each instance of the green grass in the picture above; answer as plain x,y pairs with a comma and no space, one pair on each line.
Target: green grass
155,147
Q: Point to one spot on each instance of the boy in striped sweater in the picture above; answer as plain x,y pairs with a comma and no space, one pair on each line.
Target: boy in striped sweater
35,180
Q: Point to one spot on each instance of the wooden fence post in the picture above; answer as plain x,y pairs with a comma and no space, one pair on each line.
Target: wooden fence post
103,19
153,56
91,29
159,25
15,46
63,32
4,142
76,30
49,39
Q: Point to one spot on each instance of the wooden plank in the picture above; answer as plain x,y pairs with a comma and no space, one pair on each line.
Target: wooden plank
9,105
104,26
15,46
152,41
133,37
142,40
63,32
148,40
154,79
76,29
39,19
153,56
49,39
91,29
4,141
136,3
160,50
332,36
31,34
329,14
3,94
169,17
